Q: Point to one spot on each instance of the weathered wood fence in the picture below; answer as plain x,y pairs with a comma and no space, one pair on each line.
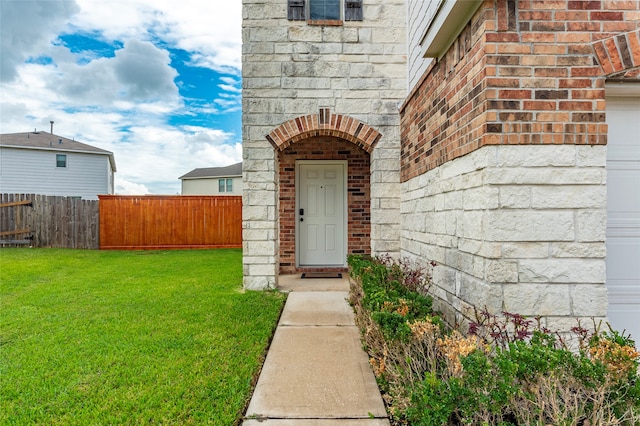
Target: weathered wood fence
48,221
170,222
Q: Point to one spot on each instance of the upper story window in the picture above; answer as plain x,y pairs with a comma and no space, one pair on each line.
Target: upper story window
61,160
324,10
225,185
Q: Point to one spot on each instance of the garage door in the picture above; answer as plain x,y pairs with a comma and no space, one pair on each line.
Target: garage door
623,209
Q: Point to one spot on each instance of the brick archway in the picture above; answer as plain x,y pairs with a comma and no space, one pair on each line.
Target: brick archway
619,56
324,124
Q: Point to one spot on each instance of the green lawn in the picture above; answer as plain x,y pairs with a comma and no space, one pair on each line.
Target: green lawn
115,337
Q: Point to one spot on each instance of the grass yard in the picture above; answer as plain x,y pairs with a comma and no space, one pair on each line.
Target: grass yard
115,337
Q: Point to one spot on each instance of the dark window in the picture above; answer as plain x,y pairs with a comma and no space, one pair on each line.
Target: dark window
353,10
61,160
296,10
324,10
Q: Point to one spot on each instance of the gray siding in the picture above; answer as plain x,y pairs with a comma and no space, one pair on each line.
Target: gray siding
35,171
420,14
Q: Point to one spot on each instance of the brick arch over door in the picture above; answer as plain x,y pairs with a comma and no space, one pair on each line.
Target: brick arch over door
324,124
619,56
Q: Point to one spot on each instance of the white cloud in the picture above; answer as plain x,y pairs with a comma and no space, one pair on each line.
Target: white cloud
26,29
122,103
211,29
124,187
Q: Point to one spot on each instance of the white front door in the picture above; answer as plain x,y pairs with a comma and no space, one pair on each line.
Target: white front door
623,213
321,213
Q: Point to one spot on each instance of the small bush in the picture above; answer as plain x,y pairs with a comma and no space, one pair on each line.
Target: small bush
509,370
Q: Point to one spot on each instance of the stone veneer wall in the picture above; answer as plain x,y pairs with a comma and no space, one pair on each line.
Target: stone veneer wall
292,69
513,228
503,158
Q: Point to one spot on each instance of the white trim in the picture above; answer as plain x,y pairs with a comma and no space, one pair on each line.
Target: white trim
449,21
345,178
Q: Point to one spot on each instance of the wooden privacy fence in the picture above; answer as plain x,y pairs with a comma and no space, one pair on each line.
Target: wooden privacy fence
129,222
48,221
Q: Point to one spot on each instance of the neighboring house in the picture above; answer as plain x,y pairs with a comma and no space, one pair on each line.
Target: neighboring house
213,181
499,139
44,163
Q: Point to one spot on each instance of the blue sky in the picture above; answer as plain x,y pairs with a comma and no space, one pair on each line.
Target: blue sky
157,82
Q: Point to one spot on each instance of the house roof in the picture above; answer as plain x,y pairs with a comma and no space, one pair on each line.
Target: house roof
210,172
51,142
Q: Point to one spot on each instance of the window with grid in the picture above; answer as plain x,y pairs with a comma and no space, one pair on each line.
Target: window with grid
225,185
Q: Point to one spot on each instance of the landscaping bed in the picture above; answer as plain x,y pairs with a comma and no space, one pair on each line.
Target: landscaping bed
507,370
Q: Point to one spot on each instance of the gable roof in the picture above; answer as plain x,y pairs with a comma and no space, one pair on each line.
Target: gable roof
211,172
51,142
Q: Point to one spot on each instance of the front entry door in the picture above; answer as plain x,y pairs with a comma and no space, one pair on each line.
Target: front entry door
321,216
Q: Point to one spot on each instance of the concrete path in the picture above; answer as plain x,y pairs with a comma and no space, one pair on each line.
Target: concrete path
316,372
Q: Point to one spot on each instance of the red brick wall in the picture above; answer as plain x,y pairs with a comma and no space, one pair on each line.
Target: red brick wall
358,198
521,72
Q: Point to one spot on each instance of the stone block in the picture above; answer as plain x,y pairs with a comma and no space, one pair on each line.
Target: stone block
543,176
266,34
589,300
477,160
591,225
579,250
468,224
525,250
480,248
461,261
501,271
263,269
361,49
453,200
304,33
445,278
591,156
433,252
255,213
536,156
480,198
340,34
515,197
259,283
537,299
569,197
562,271
369,84
480,294
306,83
414,222
265,248
529,226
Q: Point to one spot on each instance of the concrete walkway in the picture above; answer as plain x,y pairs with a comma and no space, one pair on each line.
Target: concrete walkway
316,372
